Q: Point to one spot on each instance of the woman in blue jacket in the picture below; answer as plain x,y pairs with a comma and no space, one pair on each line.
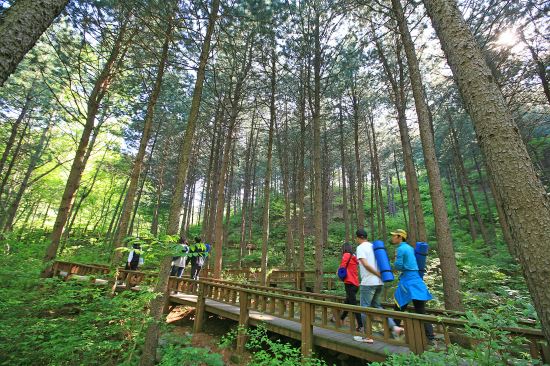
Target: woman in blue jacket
411,287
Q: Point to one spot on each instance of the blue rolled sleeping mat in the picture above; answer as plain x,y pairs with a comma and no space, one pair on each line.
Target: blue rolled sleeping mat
382,260
421,252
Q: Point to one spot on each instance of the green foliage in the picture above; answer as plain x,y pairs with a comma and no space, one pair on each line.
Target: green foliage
489,345
269,352
55,323
189,356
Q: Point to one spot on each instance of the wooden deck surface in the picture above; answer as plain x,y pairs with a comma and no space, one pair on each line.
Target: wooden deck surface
322,337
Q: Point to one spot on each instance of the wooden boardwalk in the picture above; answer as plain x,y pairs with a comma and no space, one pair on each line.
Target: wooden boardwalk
306,316
322,337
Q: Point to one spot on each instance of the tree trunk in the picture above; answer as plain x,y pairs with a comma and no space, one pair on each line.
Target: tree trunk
466,182
14,158
344,189
453,192
317,156
235,109
445,250
148,357
246,189
185,152
376,166
417,226
358,167
86,192
285,171
43,225
525,202
160,186
502,220
99,91
213,176
267,180
75,208
301,176
400,189
114,218
13,132
138,161
539,65
38,150
21,26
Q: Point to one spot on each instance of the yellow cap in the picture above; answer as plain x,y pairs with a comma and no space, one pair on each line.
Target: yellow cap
402,233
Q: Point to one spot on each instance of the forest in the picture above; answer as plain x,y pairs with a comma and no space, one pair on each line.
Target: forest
272,131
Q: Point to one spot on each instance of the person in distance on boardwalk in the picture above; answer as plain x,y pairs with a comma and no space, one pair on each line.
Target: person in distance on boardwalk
351,282
197,259
134,258
178,262
410,287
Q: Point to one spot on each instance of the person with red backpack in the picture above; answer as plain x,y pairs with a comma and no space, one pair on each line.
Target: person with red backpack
351,281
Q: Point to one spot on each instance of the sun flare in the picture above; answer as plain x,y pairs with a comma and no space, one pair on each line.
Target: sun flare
507,38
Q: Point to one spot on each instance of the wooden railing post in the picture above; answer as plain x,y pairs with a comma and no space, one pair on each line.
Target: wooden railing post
243,320
200,309
415,336
307,329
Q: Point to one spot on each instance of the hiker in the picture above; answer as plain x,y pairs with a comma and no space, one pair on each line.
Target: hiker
197,260
410,287
371,281
134,258
351,282
178,262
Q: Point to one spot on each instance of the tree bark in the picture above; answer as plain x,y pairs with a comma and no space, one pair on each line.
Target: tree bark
138,161
358,167
317,156
378,192
343,172
246,189
235,109
99,91
417,226
525,202
466,182
400,189
185,152
267,180
14,158
445,250
13,132
301,175
285,172
38,150
21,26
157,304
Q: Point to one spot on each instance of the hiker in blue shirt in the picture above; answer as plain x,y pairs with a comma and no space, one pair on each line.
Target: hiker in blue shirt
411,287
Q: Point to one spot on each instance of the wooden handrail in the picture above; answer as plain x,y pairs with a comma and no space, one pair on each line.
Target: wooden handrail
275,300
356,308
221,292
324,297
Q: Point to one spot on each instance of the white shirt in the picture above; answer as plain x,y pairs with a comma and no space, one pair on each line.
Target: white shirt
365,251
131,256
180,262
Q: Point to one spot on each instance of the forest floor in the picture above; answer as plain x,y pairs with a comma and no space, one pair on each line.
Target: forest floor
213,330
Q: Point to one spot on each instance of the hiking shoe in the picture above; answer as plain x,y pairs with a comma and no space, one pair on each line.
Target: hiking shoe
397,331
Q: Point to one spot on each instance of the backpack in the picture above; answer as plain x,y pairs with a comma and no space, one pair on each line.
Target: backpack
200,261
343,271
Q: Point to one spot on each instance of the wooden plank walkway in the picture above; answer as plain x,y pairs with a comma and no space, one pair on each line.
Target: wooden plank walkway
306,316
322,337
